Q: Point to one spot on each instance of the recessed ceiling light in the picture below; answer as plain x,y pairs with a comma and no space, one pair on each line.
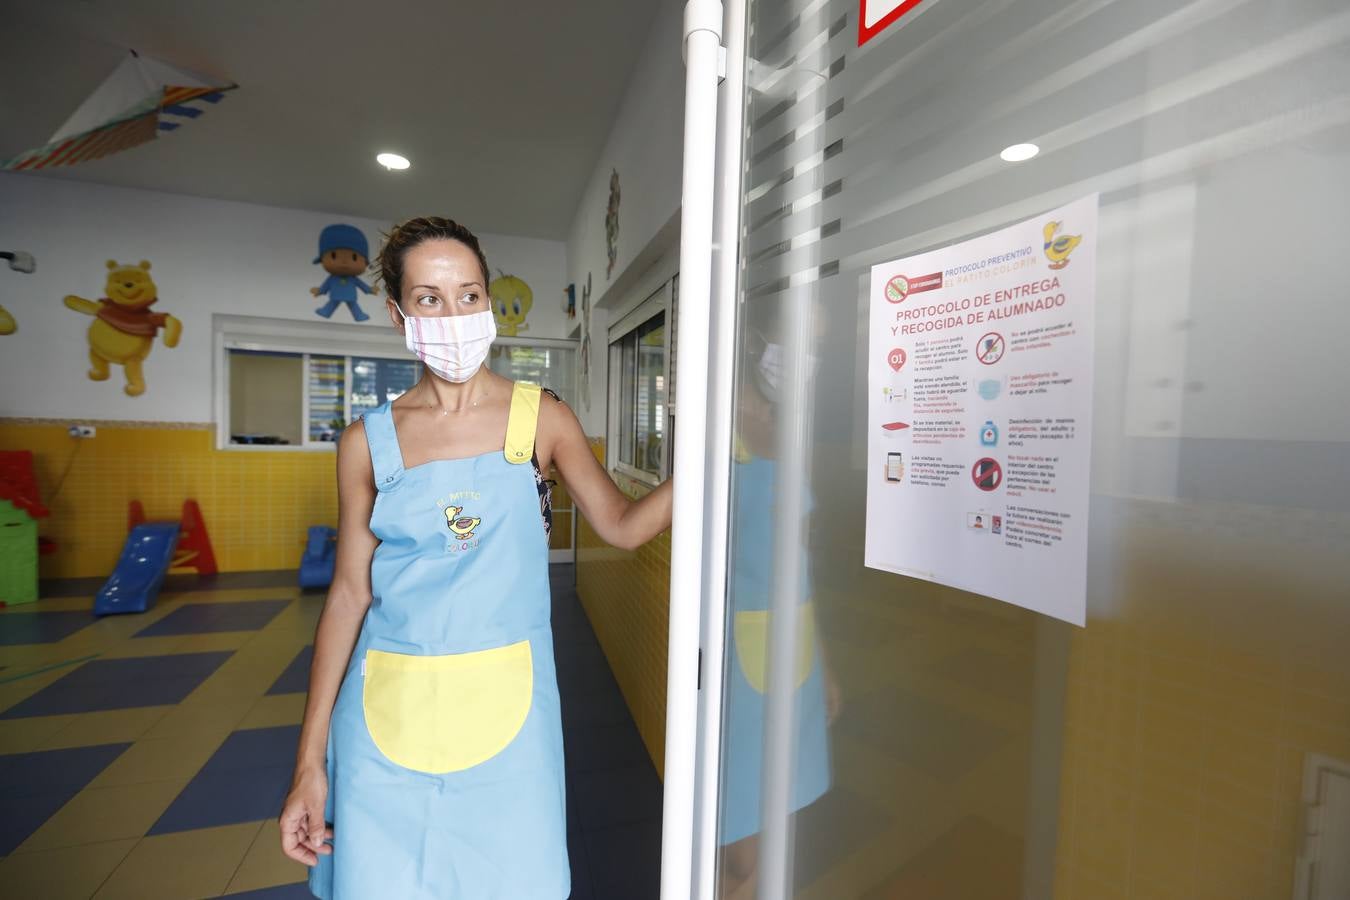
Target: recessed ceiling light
1019,152
393,161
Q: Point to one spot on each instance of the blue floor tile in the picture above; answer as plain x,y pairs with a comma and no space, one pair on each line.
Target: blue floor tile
603,706
573,811
226,798
44,771
584,673
617,797
244,780
24,815
588,748
33,786
626,861
295,680
581,868
103,684
206,618
255,748
41,627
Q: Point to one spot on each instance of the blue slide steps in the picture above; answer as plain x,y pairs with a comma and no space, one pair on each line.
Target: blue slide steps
146,558
316,566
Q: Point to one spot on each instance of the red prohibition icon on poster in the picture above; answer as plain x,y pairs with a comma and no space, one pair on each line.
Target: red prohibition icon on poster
897,359
989,349
987,474
897,289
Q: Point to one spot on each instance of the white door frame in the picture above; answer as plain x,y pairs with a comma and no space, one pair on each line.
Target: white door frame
708,219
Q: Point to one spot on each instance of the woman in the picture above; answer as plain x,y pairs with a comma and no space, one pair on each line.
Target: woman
430,760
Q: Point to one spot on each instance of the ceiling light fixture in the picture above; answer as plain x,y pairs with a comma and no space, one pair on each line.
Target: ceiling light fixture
392,161
1019,152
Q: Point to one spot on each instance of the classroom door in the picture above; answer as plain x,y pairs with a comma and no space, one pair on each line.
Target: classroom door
888,737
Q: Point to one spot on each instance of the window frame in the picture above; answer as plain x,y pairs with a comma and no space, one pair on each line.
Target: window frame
309,339
656,303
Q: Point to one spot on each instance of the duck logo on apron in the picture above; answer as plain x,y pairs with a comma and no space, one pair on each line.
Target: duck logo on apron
463,529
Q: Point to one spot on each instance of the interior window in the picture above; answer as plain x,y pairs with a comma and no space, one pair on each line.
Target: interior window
639,422
266,397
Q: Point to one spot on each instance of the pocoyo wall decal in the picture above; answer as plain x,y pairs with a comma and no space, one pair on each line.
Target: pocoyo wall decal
344,255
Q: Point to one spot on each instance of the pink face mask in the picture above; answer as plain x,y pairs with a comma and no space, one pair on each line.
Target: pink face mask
453,347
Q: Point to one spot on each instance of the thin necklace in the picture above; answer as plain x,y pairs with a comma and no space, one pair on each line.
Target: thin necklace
443,410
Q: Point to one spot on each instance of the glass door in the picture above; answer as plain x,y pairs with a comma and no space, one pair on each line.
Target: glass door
889,737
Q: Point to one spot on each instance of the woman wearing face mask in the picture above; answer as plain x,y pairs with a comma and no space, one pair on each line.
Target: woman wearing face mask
430,760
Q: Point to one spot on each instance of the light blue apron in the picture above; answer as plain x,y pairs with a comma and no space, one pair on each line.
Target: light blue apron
445,757
753,561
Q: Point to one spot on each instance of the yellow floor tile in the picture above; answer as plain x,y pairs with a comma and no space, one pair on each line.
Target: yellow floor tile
201,718
65,604
235,683
161,645
68,873
101,814
160,759
265,865
278,709
19,658
27,735
175,866
112,726
113,629
202,643
151,646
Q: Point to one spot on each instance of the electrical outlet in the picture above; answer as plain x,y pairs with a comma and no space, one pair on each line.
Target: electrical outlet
82,431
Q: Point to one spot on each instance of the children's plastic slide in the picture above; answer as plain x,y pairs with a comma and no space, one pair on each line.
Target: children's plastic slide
136,580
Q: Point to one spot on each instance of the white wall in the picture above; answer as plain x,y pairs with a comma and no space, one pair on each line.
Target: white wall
645,145
207,256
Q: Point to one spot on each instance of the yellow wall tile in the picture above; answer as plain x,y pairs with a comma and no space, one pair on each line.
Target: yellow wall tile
257,504
626,595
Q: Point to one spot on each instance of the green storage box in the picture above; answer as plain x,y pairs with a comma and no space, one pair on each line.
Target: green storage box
18,555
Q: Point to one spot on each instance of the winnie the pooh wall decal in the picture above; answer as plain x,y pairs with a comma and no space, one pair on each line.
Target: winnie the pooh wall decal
123,331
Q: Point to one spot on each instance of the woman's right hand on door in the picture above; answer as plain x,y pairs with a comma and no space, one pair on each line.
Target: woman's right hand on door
303,831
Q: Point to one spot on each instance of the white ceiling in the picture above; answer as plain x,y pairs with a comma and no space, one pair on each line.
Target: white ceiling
503,107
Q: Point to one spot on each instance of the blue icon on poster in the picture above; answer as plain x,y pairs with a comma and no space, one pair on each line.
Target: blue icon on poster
989,388
989,434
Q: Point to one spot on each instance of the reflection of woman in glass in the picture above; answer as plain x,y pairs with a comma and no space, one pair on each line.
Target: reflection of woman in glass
753,564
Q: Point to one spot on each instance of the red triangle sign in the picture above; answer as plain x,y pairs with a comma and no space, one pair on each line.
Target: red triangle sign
875,16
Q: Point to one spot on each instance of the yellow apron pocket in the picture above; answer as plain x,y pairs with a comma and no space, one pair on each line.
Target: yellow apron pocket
440,714
750,630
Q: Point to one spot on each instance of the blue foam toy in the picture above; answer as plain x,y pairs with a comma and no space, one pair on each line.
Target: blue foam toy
316,566
146,559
